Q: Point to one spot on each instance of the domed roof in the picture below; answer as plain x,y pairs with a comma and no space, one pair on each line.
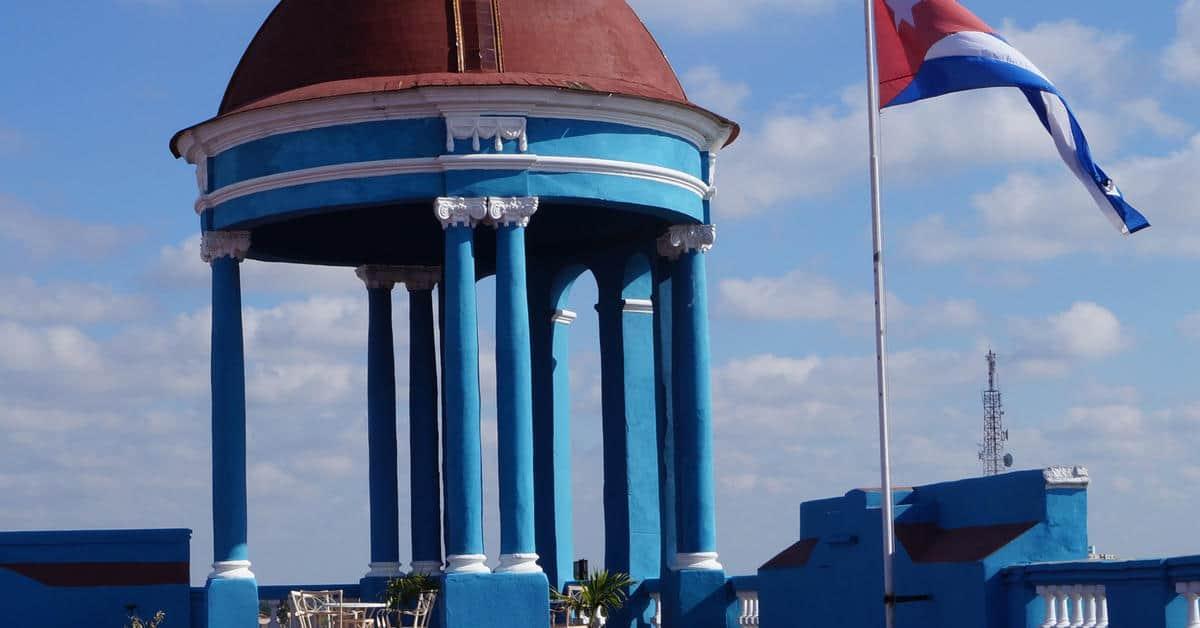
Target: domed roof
318,48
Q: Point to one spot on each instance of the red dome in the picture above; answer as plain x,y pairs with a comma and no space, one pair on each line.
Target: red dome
316,48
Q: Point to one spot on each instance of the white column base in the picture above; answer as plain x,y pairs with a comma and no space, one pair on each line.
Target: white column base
467,563
427,567
231,570
699,560
387,570
519,563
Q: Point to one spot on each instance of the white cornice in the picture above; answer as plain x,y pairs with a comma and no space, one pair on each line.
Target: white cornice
1066,477
446,163
705,131
637,306
563,317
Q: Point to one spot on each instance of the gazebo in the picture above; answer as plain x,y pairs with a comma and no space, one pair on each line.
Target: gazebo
430,143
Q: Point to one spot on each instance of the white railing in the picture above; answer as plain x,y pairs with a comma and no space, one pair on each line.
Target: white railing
657,619
1191,592
747,608
1074,606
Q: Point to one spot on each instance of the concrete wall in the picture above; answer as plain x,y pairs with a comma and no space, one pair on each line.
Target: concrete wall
87,578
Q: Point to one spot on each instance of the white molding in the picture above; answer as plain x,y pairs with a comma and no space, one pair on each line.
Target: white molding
218,244
467,563
680,239
1066,477
637,306
519,563
415,278
563,317
448,163
427,567
478,127
384,570
704,130
457,211
514,211
231,570
698,560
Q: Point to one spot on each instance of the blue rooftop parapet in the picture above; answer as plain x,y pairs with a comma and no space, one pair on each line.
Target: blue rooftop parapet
953,541
88,577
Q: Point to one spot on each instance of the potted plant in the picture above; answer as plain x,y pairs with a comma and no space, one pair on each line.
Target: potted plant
402,593
264,614
598,596
135,620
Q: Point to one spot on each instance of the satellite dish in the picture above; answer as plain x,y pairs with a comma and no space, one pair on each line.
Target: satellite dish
1008,461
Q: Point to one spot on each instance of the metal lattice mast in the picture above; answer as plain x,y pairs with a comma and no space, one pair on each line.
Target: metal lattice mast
991,452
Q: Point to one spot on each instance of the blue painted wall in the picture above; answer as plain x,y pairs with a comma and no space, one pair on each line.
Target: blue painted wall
86,578
963,535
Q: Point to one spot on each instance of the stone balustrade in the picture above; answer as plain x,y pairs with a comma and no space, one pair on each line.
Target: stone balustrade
747,608
1074,606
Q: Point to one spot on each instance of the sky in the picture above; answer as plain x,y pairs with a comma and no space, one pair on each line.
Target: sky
104,302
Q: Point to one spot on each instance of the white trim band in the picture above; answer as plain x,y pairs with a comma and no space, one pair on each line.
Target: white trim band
231,570
519,563
215,136
637,306
384,570
448,163
427,567
563,317
467,563
698,560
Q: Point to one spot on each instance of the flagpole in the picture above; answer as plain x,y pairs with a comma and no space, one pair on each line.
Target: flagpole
885,462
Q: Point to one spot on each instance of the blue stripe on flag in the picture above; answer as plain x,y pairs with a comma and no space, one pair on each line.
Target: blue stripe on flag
947,75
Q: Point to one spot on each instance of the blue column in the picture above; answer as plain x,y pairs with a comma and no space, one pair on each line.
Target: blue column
461,456
664,395
696,517
232,592
514,387
381,433
426,506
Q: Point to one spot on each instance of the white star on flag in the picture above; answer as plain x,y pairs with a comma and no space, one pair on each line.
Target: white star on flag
902,10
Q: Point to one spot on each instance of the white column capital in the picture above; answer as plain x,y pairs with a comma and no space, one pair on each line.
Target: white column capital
231,570
519,563
700,560
413,277
680,239
467,563
457,211
218,244
511,211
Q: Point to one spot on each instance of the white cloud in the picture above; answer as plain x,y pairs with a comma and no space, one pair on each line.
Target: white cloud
179,267
1085,331
1189,326
804,296
717,15
707,88
1182,57
24,299
1106,63
42,236
1036,218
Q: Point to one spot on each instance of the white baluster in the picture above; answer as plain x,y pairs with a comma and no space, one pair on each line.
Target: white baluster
747,608
1077,613
1102,618
1051,612
1089,597
1063,594
657,619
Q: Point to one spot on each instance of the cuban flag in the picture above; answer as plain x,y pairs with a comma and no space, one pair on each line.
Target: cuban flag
928,48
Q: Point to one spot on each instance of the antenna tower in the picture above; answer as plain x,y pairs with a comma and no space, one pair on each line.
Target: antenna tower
991,452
